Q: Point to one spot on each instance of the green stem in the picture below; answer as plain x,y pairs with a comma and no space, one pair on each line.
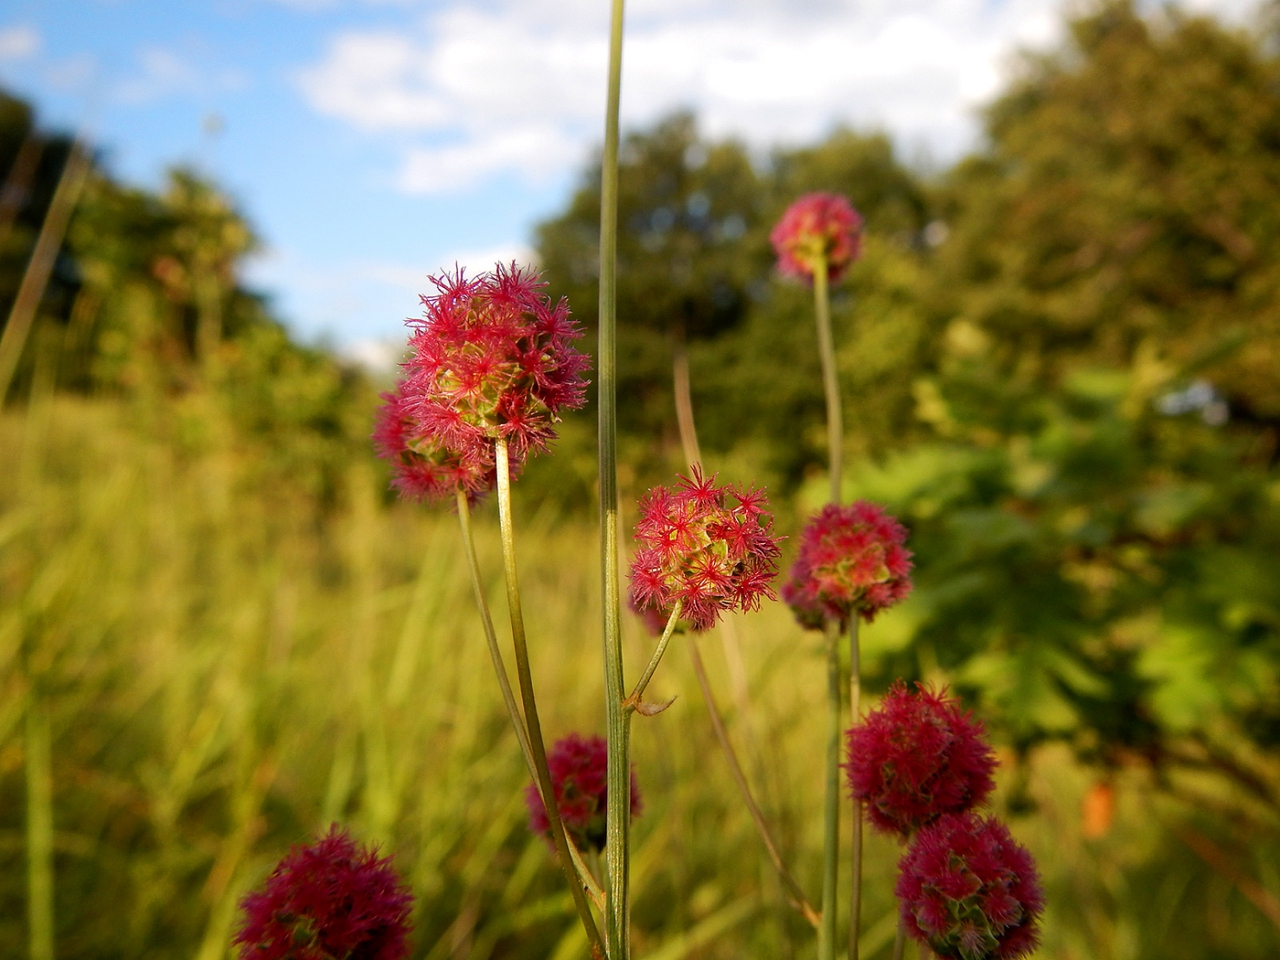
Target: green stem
830,380
900,939
491,635
633,701
831,802
617,921
798,899
39,828
855,696
525,678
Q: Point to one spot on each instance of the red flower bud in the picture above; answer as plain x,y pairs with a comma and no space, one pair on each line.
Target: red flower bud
916,757
328,899
970,891
817,226
579,776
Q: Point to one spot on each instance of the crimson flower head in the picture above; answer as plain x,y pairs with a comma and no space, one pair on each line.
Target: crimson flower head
491,358
819,227
579,775
696,548
328,900
852,559
917,757
970,891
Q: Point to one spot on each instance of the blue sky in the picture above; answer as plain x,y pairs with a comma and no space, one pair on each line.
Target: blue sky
372,142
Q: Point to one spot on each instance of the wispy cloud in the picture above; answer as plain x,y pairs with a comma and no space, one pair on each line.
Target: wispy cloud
162,72
18,43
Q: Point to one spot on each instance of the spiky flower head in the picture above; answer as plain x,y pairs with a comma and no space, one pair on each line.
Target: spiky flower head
697,548
817,227
579,768
328,900
917,757
970,891
852,559
491,358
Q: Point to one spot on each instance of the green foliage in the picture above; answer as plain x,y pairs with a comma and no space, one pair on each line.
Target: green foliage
1096,519
696,273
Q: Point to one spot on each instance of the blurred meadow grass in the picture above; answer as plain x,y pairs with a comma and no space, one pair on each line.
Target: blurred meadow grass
227,664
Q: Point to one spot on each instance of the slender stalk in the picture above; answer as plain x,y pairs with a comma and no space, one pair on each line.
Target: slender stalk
21,315
900,938
491,635
525,677
637,695
830,381
684,407
617,923
39,828
831,803
798,899
855,716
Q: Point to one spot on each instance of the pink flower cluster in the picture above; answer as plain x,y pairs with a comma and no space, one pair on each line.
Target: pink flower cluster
916,757
815,228
852,560
579,776
920,764
696,548
325,900
970,891
491,358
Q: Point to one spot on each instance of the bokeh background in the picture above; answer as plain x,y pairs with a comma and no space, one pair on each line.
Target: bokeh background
1061,362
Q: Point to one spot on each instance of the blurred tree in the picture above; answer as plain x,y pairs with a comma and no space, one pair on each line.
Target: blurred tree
1096,521
696,270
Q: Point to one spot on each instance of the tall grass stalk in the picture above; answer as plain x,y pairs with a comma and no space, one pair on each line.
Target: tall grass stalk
22,314
524,677
39,827
794,892
617,727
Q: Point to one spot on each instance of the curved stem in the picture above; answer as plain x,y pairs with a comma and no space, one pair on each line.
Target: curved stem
491,635
798,899
831,803
633,701
617,919
525,678
855,696
684,407
830,380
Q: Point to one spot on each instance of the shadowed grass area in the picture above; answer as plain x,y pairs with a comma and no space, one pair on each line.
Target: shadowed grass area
227,664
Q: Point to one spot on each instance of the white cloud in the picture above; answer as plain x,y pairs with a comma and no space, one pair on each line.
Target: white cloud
18,43
517,86
161,72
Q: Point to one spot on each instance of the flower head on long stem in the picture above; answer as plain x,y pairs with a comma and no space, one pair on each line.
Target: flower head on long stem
697,545
491,358
818,230
852,561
